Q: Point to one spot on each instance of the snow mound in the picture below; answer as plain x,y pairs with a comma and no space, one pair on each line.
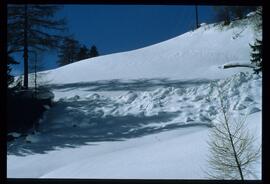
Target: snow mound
83,136
194,55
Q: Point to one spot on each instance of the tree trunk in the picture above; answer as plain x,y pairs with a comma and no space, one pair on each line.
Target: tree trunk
25,55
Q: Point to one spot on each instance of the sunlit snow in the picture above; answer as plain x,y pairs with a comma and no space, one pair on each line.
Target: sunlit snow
142,114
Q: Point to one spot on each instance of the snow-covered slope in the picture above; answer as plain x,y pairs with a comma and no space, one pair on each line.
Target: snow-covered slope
145,113
195,54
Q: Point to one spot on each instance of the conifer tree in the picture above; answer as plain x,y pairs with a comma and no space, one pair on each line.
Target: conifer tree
83,53
256,55
68,52
32,27
93,52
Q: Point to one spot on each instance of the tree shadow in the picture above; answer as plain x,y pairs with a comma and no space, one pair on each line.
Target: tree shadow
81,124
73,123
135,84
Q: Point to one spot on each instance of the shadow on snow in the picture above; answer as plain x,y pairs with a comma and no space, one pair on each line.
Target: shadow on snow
135,84
76,123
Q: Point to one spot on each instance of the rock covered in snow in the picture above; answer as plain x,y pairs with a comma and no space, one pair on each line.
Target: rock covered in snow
250,14
15,134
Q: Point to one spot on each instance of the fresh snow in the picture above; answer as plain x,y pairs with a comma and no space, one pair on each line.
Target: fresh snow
142,114
15,134
195,54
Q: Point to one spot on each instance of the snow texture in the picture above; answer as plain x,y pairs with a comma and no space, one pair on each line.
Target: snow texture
142,114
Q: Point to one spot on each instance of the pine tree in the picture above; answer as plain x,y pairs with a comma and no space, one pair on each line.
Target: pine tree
93,52
256,55
68,52
83,53
32,27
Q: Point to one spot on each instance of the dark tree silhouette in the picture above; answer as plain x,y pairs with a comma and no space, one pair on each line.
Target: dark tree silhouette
68,51
32,27
228,13
256,55
83,53
241,11
223,14
93,52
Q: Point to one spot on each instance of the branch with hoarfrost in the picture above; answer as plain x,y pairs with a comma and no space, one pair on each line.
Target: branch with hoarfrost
231,145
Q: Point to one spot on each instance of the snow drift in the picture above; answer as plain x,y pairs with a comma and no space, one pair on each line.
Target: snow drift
145,113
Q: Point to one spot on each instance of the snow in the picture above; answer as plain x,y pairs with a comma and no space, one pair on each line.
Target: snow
251,14
142,114
203,24
175,58
14,134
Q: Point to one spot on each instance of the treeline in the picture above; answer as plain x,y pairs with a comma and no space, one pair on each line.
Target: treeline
32,30
229,13
71,51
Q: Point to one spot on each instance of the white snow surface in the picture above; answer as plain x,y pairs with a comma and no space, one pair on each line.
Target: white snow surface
195,54
142,114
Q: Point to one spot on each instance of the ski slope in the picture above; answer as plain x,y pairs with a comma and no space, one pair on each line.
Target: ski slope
142,114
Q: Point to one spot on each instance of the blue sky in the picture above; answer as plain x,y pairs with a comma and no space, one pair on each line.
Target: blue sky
117,28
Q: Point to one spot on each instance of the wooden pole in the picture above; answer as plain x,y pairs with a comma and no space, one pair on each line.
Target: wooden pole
197,22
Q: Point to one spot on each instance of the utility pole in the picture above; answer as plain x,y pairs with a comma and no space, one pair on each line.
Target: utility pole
196,11
25,54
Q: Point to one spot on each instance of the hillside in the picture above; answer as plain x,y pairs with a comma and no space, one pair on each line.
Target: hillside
143,114
195,54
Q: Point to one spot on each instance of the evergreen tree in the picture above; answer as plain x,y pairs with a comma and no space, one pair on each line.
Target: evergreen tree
256,55
68,52
93,52
241,11
83,53
223,14
228,13
32,27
